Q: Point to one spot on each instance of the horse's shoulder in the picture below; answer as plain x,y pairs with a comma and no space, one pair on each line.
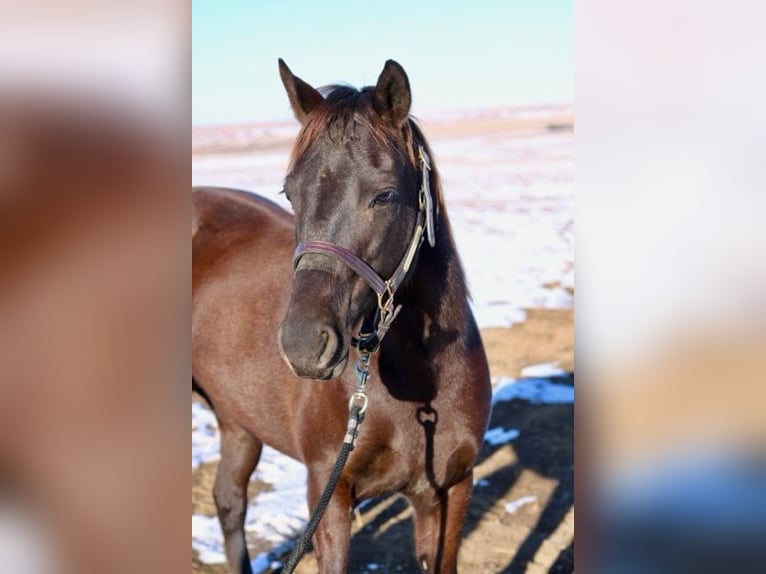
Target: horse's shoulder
218,208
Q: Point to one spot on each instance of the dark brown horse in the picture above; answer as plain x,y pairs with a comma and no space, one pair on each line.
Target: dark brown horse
262,326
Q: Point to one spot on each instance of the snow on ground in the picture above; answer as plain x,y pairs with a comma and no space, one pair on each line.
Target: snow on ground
275,516
204,435
499,435
536,390
513,506
542,370
510,202
278,515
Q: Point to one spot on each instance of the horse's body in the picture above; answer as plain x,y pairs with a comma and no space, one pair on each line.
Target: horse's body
429,389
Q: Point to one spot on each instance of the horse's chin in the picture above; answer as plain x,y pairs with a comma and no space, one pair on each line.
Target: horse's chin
327,375
337,370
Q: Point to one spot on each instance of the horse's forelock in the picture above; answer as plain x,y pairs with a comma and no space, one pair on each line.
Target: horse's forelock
343,108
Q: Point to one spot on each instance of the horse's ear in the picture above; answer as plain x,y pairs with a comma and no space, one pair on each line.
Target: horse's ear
303,98
392,97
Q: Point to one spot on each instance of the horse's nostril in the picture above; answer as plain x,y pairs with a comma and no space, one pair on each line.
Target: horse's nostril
328,348
323,338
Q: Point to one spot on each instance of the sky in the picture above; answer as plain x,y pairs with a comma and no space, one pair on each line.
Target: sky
458,55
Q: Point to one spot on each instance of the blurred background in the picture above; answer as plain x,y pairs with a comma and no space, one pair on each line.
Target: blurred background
672,276
493,89
94,286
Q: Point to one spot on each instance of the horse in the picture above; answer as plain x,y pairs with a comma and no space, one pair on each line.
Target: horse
273,325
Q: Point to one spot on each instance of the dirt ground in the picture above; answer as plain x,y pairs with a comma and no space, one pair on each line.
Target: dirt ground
538,537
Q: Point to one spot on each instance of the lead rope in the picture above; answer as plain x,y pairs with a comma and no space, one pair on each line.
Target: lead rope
357,405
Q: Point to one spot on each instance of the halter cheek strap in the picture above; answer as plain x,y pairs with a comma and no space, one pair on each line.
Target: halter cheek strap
385,289
425,201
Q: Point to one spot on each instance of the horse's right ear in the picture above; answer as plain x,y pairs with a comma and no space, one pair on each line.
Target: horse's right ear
303,98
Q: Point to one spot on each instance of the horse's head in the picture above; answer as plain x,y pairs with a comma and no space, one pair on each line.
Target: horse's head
353,183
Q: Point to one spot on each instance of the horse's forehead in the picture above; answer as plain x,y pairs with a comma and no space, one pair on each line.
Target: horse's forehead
357,148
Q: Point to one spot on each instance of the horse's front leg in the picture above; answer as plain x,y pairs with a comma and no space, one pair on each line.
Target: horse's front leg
333,535
438,527
240,452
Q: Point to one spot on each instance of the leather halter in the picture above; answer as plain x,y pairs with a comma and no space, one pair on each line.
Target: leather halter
386,312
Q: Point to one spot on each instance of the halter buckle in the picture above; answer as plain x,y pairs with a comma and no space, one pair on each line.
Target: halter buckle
425,201
386,305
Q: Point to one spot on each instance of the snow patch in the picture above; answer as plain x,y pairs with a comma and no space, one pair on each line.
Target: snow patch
538,391
512,507
205,438
280,514
276,515
264,562
498,436
543,370
207,539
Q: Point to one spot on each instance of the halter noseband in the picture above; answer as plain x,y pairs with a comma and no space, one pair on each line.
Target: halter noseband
375,328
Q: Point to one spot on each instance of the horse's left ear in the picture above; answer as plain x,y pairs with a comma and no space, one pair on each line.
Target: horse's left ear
392,97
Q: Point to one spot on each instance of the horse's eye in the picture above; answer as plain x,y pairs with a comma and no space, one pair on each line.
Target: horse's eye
283,192
384,198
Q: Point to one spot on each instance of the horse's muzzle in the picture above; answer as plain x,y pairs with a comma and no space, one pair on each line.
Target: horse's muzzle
312,351
310,339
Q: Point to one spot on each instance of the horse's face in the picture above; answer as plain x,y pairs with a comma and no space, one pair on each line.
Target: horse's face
353,188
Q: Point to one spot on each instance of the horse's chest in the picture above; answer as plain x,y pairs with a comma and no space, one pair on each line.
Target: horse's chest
413,456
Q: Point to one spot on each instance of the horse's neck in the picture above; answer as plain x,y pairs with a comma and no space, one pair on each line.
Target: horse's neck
436,295
434,320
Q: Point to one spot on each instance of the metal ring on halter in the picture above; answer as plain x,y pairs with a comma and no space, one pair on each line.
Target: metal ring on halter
358,399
